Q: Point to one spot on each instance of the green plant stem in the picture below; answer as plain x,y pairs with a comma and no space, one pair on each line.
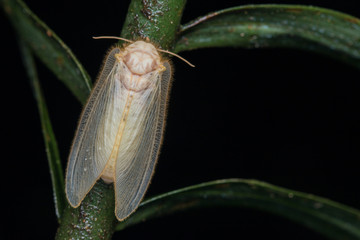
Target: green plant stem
157,21
93,219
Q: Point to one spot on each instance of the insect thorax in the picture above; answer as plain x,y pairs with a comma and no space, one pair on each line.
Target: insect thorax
141,58
139,63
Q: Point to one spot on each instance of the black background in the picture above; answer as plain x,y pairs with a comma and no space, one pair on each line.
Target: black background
287,117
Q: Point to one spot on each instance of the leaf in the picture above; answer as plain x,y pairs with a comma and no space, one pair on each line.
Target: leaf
56,172
49,48
330,218
253,26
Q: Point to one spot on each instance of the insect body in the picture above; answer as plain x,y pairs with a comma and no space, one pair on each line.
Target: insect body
120,129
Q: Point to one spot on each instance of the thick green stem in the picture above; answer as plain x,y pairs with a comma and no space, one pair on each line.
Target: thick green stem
157,21
93,219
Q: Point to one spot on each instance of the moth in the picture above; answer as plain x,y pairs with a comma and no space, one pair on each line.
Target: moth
121,127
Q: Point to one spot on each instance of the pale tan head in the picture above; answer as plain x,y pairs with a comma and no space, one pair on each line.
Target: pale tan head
141,58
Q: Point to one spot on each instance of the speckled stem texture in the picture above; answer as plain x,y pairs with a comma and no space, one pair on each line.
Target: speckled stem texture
155,20
93,219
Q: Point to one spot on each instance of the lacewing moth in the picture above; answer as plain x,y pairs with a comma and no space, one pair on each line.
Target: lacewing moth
121,126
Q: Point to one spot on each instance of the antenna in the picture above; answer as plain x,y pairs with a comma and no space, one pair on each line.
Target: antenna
111,37
160,50
174,54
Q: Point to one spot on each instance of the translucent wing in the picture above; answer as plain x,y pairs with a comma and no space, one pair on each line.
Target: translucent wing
92,144
137,156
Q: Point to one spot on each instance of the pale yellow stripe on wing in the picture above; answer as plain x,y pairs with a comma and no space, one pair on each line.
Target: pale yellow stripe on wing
109,172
